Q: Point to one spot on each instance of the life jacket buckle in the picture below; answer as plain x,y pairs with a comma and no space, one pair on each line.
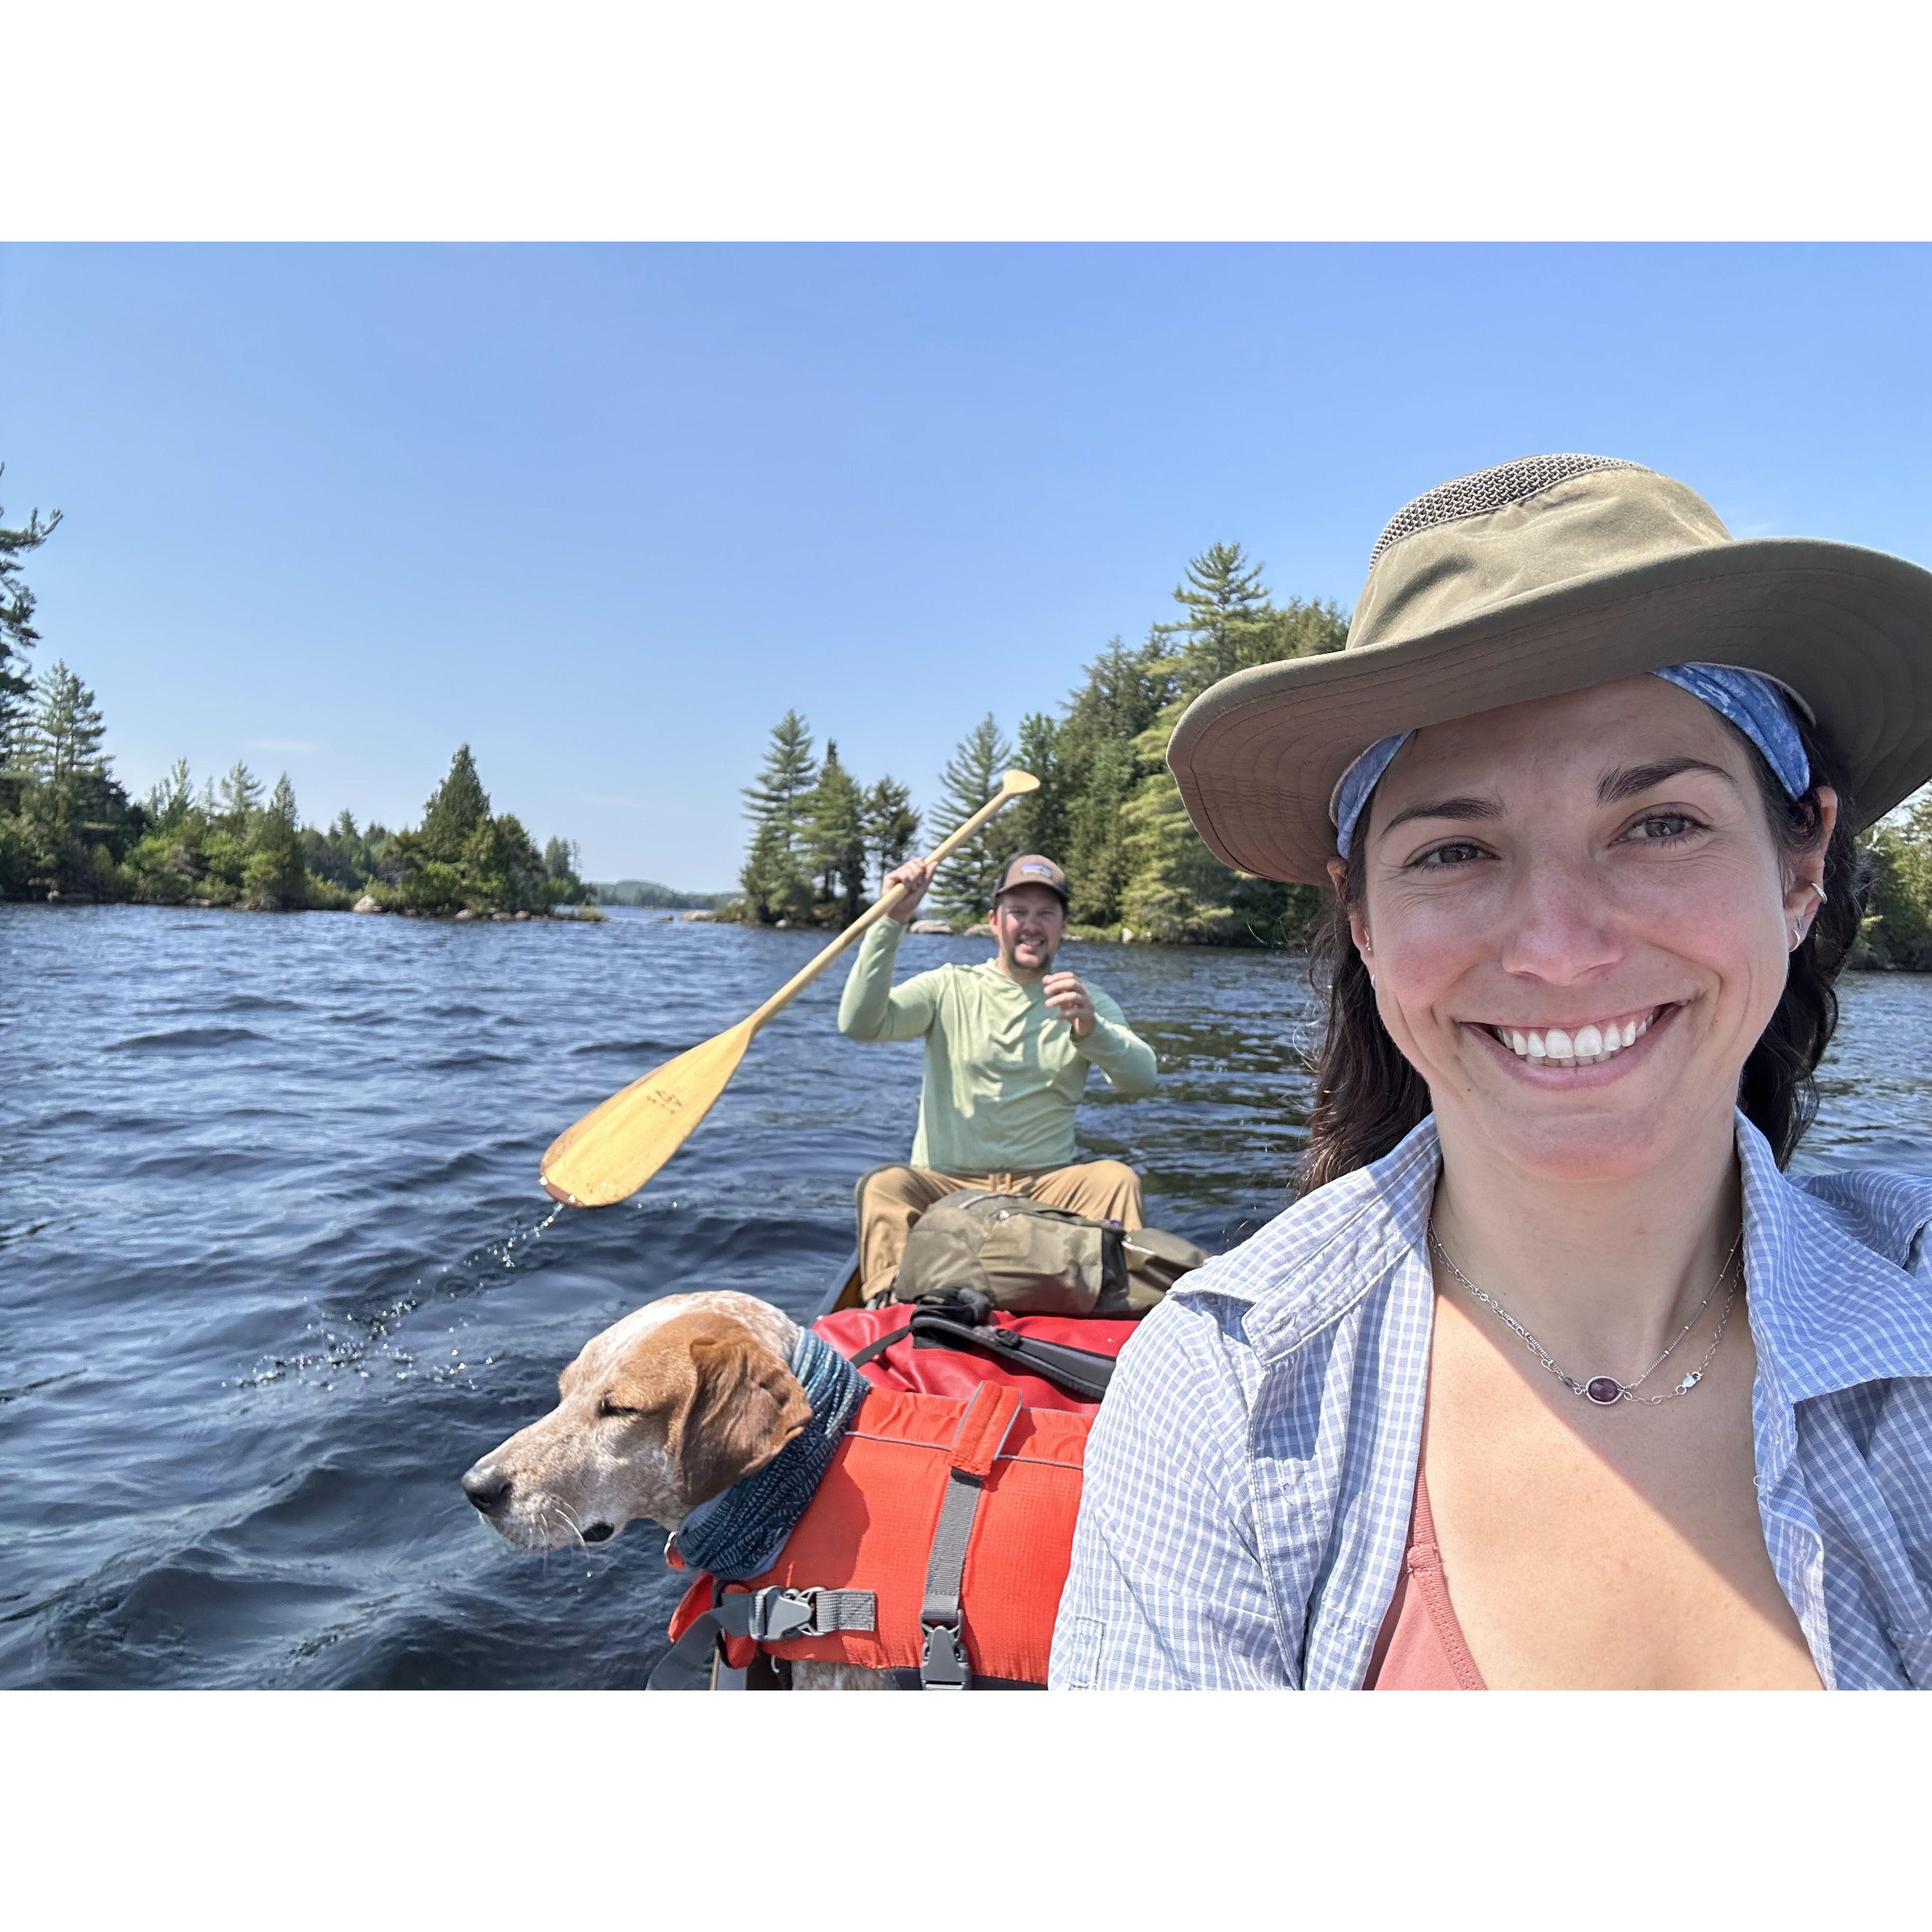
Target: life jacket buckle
942,1663
777,1612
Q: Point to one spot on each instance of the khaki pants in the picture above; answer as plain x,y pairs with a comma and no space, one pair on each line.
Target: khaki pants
890,1199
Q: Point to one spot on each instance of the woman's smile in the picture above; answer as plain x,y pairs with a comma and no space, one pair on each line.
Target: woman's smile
1563,1056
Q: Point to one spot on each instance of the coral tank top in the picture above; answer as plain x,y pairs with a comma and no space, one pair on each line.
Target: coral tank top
1421,1647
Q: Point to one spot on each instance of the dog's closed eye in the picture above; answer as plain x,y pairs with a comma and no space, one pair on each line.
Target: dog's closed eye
607,1407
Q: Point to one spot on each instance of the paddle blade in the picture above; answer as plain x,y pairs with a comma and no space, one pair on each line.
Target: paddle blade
609,1153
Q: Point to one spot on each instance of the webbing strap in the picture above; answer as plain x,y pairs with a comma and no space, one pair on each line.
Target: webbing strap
873,1349
943,1664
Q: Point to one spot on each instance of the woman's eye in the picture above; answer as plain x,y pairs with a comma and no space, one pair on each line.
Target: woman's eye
1458,852
1660,827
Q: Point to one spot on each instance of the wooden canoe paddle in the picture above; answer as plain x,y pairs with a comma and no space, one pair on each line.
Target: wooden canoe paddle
609,1153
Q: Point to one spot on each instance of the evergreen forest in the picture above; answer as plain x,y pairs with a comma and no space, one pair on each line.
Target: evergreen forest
1108,809
69,831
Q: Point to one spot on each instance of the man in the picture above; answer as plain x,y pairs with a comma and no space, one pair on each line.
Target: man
1008,1045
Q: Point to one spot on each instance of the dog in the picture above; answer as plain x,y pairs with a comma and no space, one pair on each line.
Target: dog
662,1411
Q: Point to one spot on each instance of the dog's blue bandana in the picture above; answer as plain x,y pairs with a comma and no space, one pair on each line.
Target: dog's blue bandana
737,1534
1760,709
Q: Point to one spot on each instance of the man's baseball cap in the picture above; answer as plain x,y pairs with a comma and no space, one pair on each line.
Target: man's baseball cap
1029,868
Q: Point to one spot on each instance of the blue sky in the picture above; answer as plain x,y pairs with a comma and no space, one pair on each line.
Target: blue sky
605,512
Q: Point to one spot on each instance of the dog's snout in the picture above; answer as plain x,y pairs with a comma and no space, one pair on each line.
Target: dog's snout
487,1487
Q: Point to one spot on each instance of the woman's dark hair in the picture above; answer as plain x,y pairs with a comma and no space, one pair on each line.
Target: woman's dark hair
1367,1096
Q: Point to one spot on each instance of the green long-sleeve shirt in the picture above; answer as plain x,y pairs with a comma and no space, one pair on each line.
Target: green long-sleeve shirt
1004,1073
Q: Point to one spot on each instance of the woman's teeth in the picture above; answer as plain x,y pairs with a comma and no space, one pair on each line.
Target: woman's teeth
1588,1046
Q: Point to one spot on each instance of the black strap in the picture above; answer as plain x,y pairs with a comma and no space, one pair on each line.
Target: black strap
1081,1372
873,1349
1084,1373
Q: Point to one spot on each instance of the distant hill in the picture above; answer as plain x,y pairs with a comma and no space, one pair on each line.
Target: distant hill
649,892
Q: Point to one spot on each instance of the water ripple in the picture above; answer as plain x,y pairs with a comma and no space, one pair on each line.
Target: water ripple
185,1040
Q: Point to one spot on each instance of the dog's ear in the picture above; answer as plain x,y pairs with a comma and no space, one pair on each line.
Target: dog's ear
748,1405
729,1404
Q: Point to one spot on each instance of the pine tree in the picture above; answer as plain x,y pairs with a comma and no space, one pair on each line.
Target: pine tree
61,741
770,881
775,879
1223,603
782,795
1095,768
890,824
1225,608
455,810
836,833
562,862
340,855
70,804
275,876
17,634
966,881
241,796
60,753
460,857
1040,819
170,801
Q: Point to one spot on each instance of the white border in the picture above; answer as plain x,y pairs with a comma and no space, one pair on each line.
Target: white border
479,1810
1038,120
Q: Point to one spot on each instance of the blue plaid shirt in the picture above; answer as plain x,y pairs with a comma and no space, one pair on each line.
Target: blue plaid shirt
1250,1475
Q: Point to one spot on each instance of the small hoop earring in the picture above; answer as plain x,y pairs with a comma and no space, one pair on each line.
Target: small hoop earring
1820,890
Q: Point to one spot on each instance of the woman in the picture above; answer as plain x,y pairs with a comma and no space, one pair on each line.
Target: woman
1552,1377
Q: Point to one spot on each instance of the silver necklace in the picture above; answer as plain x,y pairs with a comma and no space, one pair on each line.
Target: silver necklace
1606,1390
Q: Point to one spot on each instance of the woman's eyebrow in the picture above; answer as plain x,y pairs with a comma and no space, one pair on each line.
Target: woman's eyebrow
1627,781
1446,808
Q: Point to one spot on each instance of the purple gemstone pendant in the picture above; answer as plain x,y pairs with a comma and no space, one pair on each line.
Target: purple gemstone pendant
1604,1390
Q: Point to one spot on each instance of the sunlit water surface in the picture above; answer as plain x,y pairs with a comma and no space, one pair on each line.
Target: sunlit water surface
271,1273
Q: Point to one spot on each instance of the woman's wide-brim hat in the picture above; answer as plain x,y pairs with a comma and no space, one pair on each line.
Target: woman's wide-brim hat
1545,575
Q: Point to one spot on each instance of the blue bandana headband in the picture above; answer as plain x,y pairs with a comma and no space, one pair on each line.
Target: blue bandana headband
1760,708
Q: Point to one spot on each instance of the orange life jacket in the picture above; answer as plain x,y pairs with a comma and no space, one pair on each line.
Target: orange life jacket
953,1516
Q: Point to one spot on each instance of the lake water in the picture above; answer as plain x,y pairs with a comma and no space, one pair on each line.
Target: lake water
272,1273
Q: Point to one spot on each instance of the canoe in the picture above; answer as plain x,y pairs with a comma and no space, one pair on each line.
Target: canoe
841,1292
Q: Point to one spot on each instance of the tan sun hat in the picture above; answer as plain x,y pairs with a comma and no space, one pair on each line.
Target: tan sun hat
1549,575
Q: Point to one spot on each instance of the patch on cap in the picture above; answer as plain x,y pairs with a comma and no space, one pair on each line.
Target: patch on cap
1028,867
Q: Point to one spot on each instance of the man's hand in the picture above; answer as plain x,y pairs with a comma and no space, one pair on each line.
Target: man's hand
916,874
1067,995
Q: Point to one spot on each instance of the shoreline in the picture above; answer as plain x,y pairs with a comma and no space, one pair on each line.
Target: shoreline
592,915
588,915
